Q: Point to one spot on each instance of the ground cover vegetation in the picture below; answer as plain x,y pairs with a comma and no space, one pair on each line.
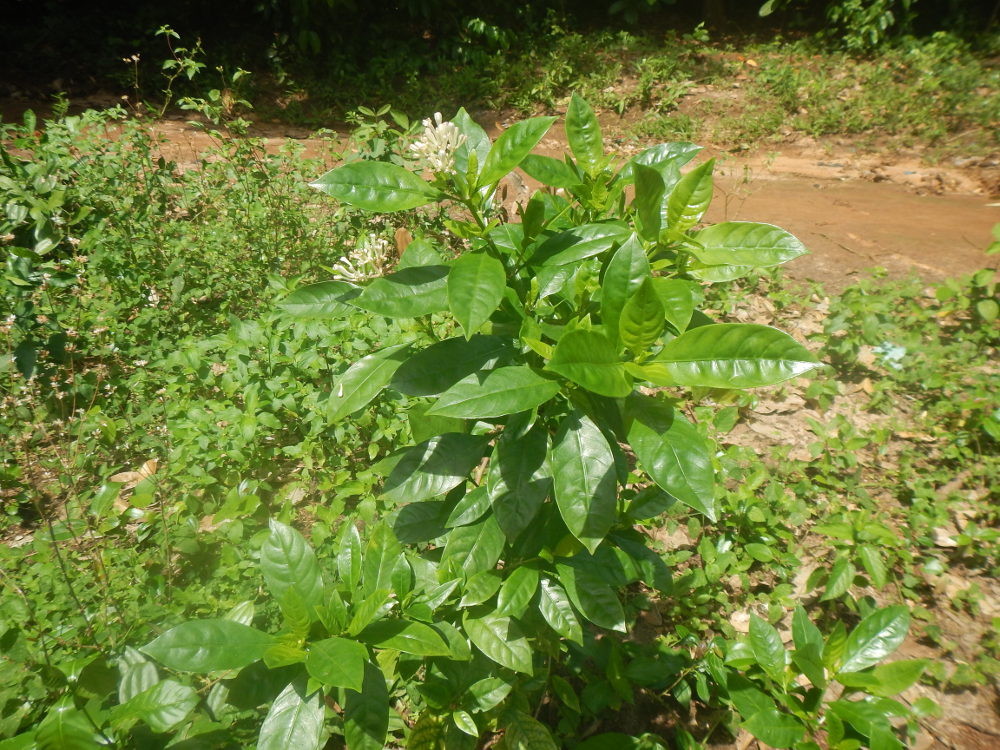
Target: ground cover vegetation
216,535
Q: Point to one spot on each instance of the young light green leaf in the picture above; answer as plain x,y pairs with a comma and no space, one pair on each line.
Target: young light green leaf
511,147
288,562
327,299
408,636
363,381
409,293
746,243
768,649
475,287
376,186
729,355
642,319
690,198
841,579
672,452
506,390
209,646
648,201
875,637
438,367
349,555
874,564
623,275
337,662
679,299
555,607
366,712
500,639
517,590
294,720
590,360
585,482
583,132
433,467
775,728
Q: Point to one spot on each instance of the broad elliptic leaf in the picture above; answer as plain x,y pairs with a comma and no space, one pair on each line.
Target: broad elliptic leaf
209,646
775,728
623,275
555,607
642,319
730,355
767,647
476,547
376,186
584,478
679,299
408,636
648,201
470,508
578,243
590,360
517,591
363,381
666,158
366,712
475,287
804,632
506,390
433,467
549,171
875,637
66,728
327,299
476,141
288,562
672,452
500,639
438,367
165,705
294,720
409,293
349,555
382,553
518,480
746,243
583,132
524,732
690,198
594,598
511,147
337,662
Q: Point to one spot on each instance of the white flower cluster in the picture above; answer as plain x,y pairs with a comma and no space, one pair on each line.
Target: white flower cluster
437,147
370,258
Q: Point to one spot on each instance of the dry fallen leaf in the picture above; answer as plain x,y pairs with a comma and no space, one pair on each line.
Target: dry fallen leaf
131,478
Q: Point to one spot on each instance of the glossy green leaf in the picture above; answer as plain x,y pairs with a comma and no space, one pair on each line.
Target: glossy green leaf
500,639
376,186
746,243
549,171
717,274
470,508
465,723
475,287
497,393
672,452
874,564
579,243
625,271
349,555
648,201
767,647
476,141
690,198
327,299
840,580
294,720
679,299
517,591
895,677
209,646
363,381
366,712
480,587
289,563
809,660
476,547
555,607
165,705
518,480
421,522
429,733
66,728
511,147
583,132
409,293
337,662
804,632
590,360
382,553
489,692
433,467
408,636
875,637
594,598
666,158
584,479
642,318
524,732
775,728
438,367
730,355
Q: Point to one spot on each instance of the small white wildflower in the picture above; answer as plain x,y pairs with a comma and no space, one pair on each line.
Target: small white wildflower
140,362
437,147
154,298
